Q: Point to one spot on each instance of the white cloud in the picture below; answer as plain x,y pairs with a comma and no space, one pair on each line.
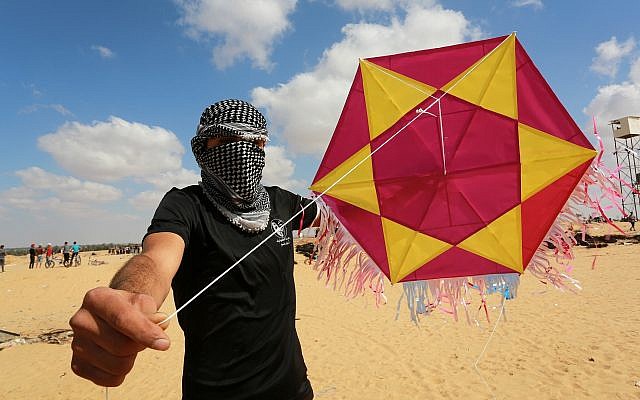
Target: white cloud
618,99
22,197
53,208
104,52
59,108
307,123
383,5
364,5
102,151
537,4
43,219
609,54
634,72
246,28
114,149
43,193
179,178
279,170
615,101
147,200
67,187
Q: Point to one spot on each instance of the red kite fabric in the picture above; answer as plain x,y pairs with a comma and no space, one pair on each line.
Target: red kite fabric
452,162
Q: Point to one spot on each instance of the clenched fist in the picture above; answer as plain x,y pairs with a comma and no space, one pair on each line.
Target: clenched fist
109,330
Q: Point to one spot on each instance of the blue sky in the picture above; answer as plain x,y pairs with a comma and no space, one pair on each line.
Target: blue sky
98,100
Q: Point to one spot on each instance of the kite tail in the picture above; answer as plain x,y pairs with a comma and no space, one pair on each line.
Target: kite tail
453,295
342,263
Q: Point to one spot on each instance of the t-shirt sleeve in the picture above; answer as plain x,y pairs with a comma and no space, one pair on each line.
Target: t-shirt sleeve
174,214
307,216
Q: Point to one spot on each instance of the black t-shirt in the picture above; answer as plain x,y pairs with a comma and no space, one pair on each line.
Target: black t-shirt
240,336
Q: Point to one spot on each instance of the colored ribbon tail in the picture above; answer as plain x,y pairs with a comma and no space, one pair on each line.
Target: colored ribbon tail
341,261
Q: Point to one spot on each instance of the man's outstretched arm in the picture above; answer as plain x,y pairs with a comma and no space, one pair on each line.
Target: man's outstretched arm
115,323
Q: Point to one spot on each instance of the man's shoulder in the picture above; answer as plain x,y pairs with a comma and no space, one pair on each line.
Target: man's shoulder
191,189
192,192
278,191
280,196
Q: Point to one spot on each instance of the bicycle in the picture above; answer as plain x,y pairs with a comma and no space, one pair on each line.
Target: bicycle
56,259
77,260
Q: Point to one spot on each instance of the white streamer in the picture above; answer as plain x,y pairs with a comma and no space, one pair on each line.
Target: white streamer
475,364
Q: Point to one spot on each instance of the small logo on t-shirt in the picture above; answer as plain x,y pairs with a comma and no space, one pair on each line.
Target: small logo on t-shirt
280,229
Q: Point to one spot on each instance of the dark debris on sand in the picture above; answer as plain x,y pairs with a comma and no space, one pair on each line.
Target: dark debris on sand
53,336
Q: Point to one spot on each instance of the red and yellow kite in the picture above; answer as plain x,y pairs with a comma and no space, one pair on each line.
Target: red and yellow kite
452,162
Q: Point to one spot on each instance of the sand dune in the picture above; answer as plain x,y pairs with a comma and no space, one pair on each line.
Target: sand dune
553,345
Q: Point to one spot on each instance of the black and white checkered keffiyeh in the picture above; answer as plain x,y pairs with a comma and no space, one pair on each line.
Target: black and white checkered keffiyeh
231,172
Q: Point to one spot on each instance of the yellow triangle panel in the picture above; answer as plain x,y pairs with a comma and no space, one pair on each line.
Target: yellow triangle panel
408,250
357,187
500,241
389,95
545,158
491,82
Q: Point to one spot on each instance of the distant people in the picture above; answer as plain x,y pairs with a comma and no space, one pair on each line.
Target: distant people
39,255
49,253
632,221
2,254
32,255
65,252
75,249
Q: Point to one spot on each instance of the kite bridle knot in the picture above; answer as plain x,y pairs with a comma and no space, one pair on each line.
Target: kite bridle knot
426,110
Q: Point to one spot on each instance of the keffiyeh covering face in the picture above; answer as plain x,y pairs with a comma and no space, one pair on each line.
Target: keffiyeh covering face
231,172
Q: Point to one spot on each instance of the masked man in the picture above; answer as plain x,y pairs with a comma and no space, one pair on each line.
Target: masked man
240,336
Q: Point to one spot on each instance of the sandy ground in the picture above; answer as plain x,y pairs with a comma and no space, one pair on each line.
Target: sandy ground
552,345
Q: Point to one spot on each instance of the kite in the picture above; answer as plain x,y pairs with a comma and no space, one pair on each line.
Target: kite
448,170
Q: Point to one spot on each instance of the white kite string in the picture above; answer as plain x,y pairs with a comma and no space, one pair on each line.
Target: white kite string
475,365
291,219
420,113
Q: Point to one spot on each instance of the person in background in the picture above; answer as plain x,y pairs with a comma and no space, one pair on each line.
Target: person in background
75,249
49,252
65,252
32,255
2,255
39,255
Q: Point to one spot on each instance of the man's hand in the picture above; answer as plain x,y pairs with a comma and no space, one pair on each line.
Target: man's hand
109,330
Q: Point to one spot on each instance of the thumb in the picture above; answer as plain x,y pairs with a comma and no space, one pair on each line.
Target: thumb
158,318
